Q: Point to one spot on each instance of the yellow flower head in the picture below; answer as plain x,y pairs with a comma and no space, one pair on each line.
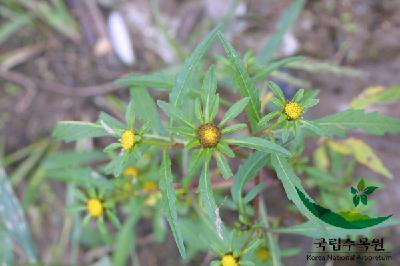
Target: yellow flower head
262,254
94,207
128,139
149,185
229,260
130,171
209,135
293,110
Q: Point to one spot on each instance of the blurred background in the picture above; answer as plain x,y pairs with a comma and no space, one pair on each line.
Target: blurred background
59,60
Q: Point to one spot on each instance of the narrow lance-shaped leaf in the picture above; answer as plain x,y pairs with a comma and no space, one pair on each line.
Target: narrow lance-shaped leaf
146,109
372,123
125,240
181,87
207,199
285,22
158,80
290,182
246,85
223,165
209,89
169,201
234,111
74,130
247,171
258,144
174,112
13,217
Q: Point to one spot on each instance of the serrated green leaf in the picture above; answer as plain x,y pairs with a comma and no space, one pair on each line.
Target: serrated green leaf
258,144
209,89
12,215
146,109
290,182
223,165
353,190
372,123
234,111
169,201
286,21
74,130
182,87
245,84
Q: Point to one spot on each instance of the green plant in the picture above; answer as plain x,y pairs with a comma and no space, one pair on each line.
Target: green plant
194,133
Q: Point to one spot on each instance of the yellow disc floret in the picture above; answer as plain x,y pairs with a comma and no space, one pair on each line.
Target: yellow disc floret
293,110
128,139
229,260
209,135
150,185
94,207
130,171
262,254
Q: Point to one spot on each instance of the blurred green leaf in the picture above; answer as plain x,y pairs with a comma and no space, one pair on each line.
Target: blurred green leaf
13,217
169,201
126,237
208,90
375,95
372,123
9,28
74,130
264,72
286,21
6,250
159,80
146,109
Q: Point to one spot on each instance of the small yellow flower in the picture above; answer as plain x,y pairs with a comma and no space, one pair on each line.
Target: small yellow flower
128,139
229,260
149,185
262,254
94,207
293,110
209,135
130,171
